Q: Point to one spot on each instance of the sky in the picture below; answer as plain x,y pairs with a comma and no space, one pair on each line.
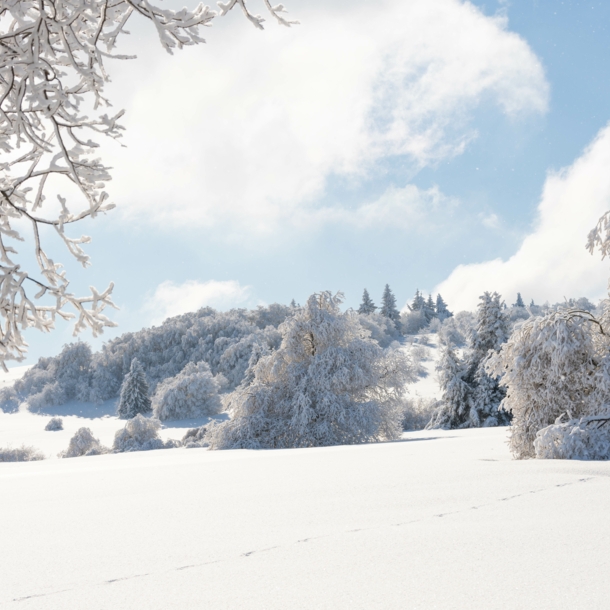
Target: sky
438,145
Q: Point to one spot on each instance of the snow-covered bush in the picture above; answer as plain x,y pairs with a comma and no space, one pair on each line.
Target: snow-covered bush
329,383
418,412
195,438
54,424
382,329
413,321
141,434
191,393
9,401
551,365
83,443
134,397
587,438
21,454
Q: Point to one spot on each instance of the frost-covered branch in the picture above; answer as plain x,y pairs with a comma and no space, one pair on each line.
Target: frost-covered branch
52,112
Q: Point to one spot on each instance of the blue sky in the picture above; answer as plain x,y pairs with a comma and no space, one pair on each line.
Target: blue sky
438,145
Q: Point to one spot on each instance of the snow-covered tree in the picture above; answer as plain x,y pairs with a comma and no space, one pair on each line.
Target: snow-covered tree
388,306
327,384
441,308
191,393
454,410
429,309
134,397
519,302
367,305
550,366
418,302
52,114
476,401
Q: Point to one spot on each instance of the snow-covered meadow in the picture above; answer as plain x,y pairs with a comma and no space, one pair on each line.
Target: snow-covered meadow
440,519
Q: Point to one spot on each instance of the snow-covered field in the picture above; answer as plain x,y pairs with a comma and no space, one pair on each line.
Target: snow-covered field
439,520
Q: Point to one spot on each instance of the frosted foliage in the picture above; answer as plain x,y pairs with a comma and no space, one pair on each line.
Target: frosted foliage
195,438
388,307
492,326
367,305
83,443
584,439
140,434
21,454
54,381
382,329
550,366
414,321
53,114
454,410
328,383
54,424
418,412
134,397
191,393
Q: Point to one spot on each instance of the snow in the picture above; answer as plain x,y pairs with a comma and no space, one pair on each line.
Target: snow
443,519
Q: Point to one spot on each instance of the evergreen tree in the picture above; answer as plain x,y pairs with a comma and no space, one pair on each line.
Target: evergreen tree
519,302
441,309
491,332
367,305
455,404
418,302
134,393
429,309
388,306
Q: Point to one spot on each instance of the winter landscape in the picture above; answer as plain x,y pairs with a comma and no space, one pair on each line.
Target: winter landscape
219,429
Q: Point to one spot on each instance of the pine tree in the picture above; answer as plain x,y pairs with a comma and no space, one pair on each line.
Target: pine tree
441,309
491,332
455,404
367,305
418,302
429,309
519,302
388,306
134,393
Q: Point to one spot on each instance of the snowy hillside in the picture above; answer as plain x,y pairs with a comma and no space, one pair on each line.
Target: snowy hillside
439,520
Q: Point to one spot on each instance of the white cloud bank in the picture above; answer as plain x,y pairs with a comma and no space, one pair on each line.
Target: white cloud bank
172,299
552,262
245,131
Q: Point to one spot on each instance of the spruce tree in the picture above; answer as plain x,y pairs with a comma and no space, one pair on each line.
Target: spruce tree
418,302
388,306
455,404
491,332
429,309
134,393
367,305
519,302
441,308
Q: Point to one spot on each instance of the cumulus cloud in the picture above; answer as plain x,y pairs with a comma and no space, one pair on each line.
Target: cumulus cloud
247,130
552,262
408,208
171,299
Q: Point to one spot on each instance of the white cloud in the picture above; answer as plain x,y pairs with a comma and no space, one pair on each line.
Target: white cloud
172,299
245,131
552,262
408,208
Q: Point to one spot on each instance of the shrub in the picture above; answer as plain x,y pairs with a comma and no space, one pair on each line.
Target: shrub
141,434
587,438
191,393
83,443
55,423
22,454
